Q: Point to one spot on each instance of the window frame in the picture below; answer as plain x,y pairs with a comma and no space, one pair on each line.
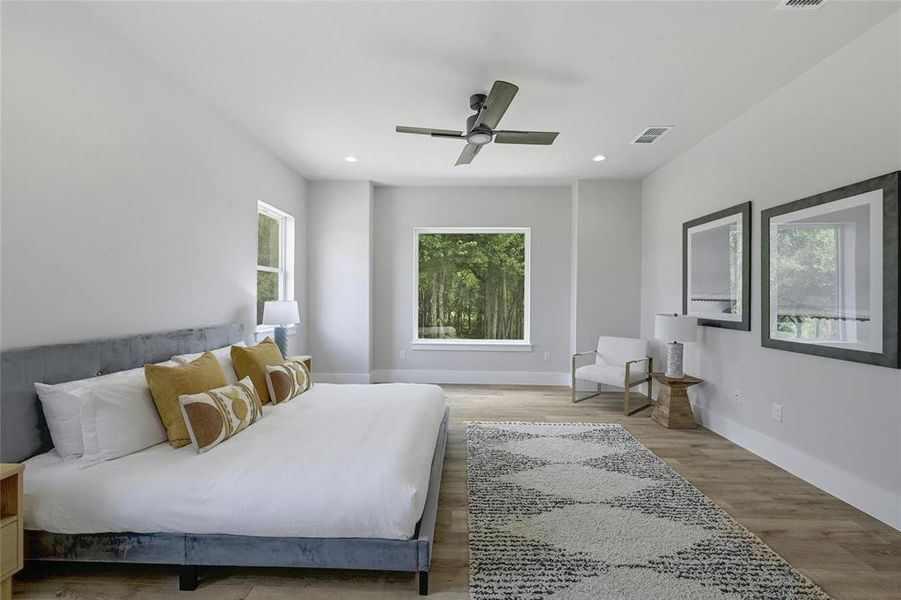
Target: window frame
285,259
523,345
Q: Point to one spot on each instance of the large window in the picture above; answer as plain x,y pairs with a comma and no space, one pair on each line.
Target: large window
275,231
472,286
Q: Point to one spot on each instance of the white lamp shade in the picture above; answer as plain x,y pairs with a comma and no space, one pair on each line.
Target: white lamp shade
278,312
675,328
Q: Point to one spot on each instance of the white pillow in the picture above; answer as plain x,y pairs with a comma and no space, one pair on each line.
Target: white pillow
62,410
62,407
118,419
223,355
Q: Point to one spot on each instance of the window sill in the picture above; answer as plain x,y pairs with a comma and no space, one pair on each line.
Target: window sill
471,346
264,331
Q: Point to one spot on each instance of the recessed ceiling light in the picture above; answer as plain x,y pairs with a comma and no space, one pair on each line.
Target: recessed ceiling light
599,158
351,159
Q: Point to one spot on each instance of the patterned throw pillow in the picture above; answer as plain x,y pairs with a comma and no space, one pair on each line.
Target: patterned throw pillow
214,416
287,381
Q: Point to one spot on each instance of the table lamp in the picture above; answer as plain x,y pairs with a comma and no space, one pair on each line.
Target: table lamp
281,313
675,329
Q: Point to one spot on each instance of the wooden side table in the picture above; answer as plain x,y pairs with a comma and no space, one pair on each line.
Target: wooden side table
305,359
12,558
673,409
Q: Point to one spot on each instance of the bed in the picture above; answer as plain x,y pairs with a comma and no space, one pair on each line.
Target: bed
347,476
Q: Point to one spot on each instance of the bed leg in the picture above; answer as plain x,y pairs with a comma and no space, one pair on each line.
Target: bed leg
423,583
187,578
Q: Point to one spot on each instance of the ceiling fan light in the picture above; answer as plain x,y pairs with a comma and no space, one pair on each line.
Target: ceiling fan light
479,138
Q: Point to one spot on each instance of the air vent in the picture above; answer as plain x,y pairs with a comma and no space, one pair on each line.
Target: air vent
651,134
801,3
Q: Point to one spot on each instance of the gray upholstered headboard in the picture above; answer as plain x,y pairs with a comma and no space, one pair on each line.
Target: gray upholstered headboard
23,431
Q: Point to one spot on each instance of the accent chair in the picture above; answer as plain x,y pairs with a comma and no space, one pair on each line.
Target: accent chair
620,362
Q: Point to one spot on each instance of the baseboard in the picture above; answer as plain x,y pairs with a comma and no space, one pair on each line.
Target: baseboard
471,377
341,377
872,499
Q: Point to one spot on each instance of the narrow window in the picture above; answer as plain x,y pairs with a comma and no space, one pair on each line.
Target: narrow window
274,229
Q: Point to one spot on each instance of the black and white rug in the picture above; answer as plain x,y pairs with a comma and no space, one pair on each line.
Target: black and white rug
572,511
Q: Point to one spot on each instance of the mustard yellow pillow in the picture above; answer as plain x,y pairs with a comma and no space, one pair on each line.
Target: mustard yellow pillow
167,384
252,362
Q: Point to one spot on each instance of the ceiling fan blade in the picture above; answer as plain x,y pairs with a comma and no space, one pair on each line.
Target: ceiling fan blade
453,135
469,153
499,99
426,131
544,138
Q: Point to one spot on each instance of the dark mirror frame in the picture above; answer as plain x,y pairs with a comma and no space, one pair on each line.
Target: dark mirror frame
743,209
891,260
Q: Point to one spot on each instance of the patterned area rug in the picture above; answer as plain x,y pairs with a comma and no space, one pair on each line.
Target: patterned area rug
571,511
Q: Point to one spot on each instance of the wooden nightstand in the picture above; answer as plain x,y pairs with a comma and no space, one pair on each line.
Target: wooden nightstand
12,559
307,360
672,408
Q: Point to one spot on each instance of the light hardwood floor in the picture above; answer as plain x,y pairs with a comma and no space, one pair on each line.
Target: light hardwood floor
850,555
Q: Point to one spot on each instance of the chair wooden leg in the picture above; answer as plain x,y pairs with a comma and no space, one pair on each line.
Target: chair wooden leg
631,412
574,381
575,396
577,399
572,374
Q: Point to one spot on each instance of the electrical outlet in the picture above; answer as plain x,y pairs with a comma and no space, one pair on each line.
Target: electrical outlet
403,355
547,356
736,396
777,412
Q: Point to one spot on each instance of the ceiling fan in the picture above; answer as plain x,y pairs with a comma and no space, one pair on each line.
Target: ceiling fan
481,126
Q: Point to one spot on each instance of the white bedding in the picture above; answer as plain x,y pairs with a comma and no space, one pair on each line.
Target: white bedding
338,461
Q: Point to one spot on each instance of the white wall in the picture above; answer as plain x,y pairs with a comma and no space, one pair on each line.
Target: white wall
340,279
399,209
607,229
128,205
835,125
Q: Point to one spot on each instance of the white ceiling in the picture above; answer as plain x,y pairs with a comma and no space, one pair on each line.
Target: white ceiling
316,81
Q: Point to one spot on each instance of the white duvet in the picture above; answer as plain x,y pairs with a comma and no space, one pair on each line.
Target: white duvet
338,461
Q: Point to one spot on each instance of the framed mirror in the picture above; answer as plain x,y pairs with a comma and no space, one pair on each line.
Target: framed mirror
830,273
716,268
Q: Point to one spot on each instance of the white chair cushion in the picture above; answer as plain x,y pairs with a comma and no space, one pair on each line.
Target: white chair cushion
610,375
617,351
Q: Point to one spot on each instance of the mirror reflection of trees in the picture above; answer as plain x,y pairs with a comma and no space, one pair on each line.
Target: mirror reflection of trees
472,285
735,271
807,282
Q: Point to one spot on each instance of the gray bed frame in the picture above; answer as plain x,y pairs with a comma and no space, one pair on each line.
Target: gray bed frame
24,433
